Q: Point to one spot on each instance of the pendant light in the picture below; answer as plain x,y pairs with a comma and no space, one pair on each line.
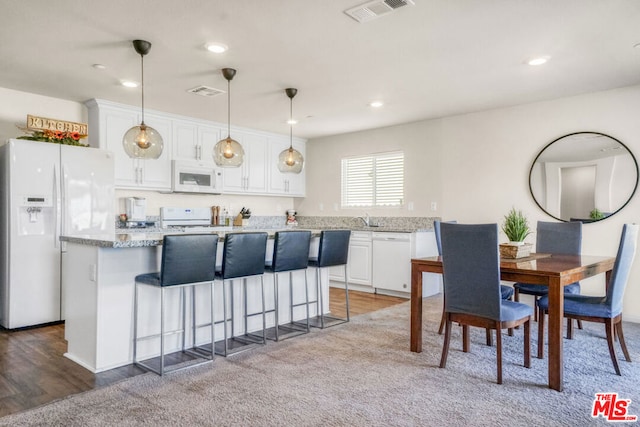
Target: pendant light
228,152
290,160
142,141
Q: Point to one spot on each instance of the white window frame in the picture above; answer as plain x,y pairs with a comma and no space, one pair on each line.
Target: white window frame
373,181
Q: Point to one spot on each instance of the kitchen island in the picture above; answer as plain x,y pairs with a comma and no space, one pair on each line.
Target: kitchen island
98,291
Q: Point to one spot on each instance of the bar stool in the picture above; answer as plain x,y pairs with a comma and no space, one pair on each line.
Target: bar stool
333,251
290,253
187,261
243,256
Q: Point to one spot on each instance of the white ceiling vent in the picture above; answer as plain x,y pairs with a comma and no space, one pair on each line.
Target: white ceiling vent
206,91
375,9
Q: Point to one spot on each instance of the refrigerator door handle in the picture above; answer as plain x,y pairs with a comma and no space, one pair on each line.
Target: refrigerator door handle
56,208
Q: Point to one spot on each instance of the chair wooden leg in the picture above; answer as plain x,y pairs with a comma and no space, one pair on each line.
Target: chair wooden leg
489,337
569,328
608,324
499,351
540,333
466,343
445,345
442,321
527,343
618,329
579,322
510,332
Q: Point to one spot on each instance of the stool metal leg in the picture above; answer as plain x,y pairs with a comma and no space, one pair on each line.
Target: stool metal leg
264,315
306,294
276,304
135,323
321,305
161,331
346,290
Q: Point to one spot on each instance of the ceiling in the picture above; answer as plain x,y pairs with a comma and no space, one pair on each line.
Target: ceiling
434,59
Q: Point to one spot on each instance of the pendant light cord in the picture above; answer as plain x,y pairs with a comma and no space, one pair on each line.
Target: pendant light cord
142,81
290,123
228,109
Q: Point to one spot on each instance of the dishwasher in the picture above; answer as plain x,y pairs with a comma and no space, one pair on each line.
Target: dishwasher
391,261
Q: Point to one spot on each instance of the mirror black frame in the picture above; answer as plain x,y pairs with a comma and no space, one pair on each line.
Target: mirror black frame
578,133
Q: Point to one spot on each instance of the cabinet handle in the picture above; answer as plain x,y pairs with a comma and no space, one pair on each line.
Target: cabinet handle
198,152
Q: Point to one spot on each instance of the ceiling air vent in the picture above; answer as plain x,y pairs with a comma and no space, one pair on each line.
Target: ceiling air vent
375,9
206,91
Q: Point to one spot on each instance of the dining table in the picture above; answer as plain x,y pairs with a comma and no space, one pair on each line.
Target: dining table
553,270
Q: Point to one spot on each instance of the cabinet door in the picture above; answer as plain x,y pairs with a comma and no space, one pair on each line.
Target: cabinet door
251,176
113,124
156,173
208,137
359,265
185,140
255,164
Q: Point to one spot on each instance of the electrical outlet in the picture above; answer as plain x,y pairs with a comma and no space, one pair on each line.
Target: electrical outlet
434,206
335,207
321,206
410,206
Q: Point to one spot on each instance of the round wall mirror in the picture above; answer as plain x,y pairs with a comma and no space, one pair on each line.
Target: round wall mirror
583,176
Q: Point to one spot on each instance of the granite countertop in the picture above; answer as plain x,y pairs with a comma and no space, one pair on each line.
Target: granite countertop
140,237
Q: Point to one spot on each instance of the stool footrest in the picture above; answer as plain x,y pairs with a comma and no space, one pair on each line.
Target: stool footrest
236,345
317,322
288,330
153,364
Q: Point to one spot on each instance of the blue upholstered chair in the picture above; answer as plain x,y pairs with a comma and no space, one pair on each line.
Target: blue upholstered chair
471,273
187,261
556,238
332,251
290,253
506,291
605,309
243,256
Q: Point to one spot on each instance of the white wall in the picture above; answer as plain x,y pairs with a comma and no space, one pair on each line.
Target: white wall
421,144
477,166
15,106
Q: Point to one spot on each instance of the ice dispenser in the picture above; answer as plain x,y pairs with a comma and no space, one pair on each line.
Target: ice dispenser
36,216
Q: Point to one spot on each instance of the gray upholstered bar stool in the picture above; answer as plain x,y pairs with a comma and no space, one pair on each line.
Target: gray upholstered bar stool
243,256
290,253
332,251
187,261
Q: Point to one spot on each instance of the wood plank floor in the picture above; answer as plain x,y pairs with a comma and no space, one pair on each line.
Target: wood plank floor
33,370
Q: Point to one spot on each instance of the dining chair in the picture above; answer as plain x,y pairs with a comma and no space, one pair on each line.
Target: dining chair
506,291
553,238
471,275
605,309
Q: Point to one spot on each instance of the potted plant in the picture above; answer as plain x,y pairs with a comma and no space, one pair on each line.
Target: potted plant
516,227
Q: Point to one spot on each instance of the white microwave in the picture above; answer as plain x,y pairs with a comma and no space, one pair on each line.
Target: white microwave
192,176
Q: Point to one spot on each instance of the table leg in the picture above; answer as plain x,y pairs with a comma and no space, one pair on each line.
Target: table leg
416,309
556,309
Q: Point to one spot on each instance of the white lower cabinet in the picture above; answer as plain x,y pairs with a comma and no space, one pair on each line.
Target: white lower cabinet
359,262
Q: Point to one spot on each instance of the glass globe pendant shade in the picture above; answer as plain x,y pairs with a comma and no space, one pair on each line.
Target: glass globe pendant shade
228,153
290,161
143,142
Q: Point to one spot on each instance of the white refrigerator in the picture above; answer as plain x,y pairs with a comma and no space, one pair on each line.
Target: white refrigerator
46,190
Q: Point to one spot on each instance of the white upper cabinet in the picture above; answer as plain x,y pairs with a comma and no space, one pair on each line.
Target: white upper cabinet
108,123
251,176
287,184
194,141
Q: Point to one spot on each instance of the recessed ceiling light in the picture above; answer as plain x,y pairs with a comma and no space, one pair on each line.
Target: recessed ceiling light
538,61
99,66
216,47
637,45
128,83
292,122
376,104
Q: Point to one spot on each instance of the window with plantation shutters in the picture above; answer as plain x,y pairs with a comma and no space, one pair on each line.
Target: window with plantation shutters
373,181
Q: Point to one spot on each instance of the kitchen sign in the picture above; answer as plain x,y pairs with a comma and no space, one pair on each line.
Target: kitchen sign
35,123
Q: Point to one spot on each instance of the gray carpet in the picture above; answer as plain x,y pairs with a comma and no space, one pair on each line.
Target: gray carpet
363,374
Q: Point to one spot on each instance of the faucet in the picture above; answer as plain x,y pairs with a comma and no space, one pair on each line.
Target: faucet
365,219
